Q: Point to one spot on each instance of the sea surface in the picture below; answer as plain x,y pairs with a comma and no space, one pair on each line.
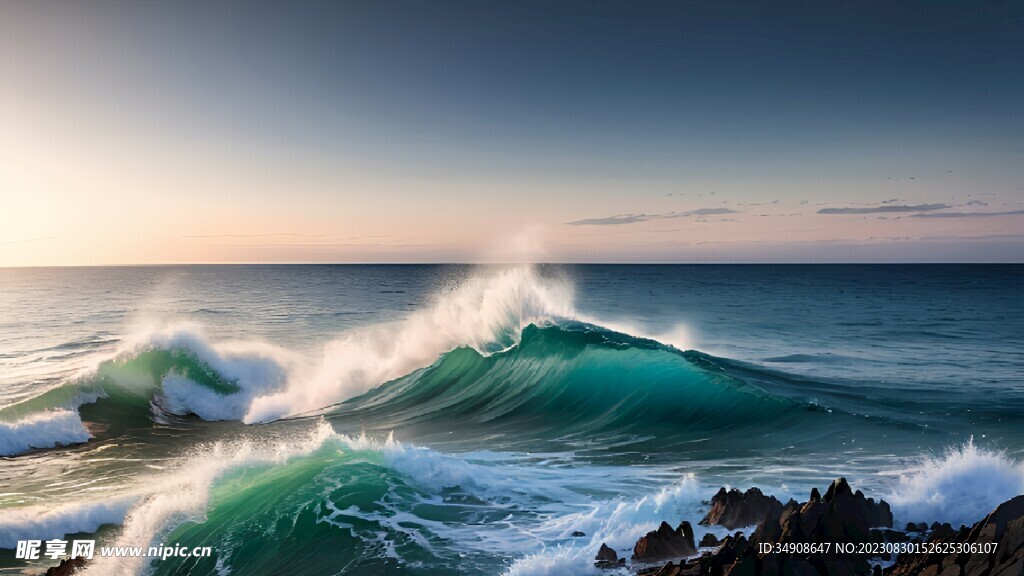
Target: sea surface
469,420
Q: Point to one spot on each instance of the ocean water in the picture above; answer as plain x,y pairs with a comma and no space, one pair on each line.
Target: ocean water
469,420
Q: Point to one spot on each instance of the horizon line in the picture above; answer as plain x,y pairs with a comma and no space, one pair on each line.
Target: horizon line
579,263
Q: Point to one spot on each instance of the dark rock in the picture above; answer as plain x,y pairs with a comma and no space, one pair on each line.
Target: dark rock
670,569
578,534
940,531
67,567
876,514
735,509
708,540
841,516
665,543
1003,527
606,557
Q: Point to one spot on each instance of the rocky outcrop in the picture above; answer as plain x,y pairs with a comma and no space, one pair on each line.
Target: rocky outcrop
734,509
665,543
840,516
1004,528
67,567
608,558
709,540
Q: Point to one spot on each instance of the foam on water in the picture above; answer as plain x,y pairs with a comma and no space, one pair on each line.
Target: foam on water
44,523
256,368
42,430
960,487
619,523
183,495
486,312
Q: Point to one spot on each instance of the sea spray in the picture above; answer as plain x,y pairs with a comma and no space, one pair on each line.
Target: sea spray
253,381
170,499
49,522
617,523
485,312
41,430
959,487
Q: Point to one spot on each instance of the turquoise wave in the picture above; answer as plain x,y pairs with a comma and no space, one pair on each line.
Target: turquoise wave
577,380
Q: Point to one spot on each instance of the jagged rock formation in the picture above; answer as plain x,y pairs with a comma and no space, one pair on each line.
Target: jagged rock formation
843,516
1004,527
735,509
608,558
665,543
709,540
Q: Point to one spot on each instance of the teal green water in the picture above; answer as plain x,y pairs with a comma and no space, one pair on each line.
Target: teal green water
476,428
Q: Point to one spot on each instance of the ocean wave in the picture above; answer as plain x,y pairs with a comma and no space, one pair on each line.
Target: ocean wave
484,313
178,370
576,379
168,500
42,430
43,523
618,523
389,506
502,347
959,487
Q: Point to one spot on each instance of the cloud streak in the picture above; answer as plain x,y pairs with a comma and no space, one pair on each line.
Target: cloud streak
885,209
620,219
969,214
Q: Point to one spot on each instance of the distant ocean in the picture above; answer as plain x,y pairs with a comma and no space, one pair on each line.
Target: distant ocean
469,420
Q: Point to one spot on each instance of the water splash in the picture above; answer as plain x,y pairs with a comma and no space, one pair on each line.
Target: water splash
960,487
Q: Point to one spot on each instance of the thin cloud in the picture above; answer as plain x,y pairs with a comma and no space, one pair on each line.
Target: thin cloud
612,220
703,212
634,218
986,237
968,214
885,208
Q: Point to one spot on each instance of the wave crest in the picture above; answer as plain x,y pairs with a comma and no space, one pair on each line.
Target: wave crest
178,370
485,313
959,487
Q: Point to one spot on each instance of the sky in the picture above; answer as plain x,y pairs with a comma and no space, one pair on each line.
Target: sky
476,131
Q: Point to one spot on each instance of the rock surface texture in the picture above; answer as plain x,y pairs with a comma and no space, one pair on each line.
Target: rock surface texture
783,542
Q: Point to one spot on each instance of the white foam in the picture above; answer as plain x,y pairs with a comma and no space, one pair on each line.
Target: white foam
619,523
256,368
434,471
485,312
169,500
42,430
43,523
560,560
960,487
558,499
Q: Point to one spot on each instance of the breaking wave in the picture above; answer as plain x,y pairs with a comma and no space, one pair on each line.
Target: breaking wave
959,487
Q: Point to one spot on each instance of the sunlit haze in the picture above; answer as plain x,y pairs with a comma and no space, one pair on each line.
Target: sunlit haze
464,131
